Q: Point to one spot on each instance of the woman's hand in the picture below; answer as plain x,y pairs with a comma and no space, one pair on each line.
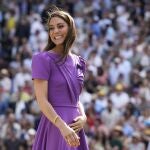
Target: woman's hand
69,134
78,124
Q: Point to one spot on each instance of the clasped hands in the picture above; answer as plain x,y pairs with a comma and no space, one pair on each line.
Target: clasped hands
78,123
70,133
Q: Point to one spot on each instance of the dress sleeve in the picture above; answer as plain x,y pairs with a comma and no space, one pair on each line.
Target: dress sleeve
40,66
82,64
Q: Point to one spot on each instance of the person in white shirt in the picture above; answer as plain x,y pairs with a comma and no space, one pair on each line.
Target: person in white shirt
119,97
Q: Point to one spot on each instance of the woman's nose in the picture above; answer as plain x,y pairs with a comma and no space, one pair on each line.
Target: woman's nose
56,30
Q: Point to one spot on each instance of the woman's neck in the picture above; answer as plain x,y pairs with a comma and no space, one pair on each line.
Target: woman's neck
58,49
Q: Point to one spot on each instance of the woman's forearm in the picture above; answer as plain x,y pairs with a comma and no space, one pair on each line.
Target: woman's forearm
48,110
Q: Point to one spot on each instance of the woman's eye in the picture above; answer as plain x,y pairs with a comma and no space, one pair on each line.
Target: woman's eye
51,28
61,26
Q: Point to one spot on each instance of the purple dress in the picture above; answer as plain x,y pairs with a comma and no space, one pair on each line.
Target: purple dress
65,83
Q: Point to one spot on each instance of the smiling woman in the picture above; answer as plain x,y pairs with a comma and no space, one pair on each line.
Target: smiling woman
58,30
60,23
57,88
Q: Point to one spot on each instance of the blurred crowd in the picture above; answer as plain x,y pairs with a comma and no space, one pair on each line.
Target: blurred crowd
113,38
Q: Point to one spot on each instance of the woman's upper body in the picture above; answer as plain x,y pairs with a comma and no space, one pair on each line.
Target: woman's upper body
57,61
70,75
51,86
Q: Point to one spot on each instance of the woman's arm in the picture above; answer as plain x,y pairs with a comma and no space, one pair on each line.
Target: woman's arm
81,109
40,87
41,92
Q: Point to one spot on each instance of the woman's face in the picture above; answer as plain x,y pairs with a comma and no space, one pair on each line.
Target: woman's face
58,30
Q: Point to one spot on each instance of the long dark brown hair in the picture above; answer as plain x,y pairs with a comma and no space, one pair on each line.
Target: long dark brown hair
71,35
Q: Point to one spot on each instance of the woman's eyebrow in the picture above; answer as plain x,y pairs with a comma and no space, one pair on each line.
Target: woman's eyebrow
57,24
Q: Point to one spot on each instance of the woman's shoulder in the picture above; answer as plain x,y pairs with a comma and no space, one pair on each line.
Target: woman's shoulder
80,61
78,57
41,55
41,66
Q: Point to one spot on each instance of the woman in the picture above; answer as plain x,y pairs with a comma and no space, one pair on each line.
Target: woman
58,79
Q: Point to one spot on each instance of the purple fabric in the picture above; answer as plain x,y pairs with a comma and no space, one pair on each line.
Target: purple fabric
65,83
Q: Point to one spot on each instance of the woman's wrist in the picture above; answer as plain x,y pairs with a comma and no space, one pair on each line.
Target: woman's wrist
60,123
55,119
